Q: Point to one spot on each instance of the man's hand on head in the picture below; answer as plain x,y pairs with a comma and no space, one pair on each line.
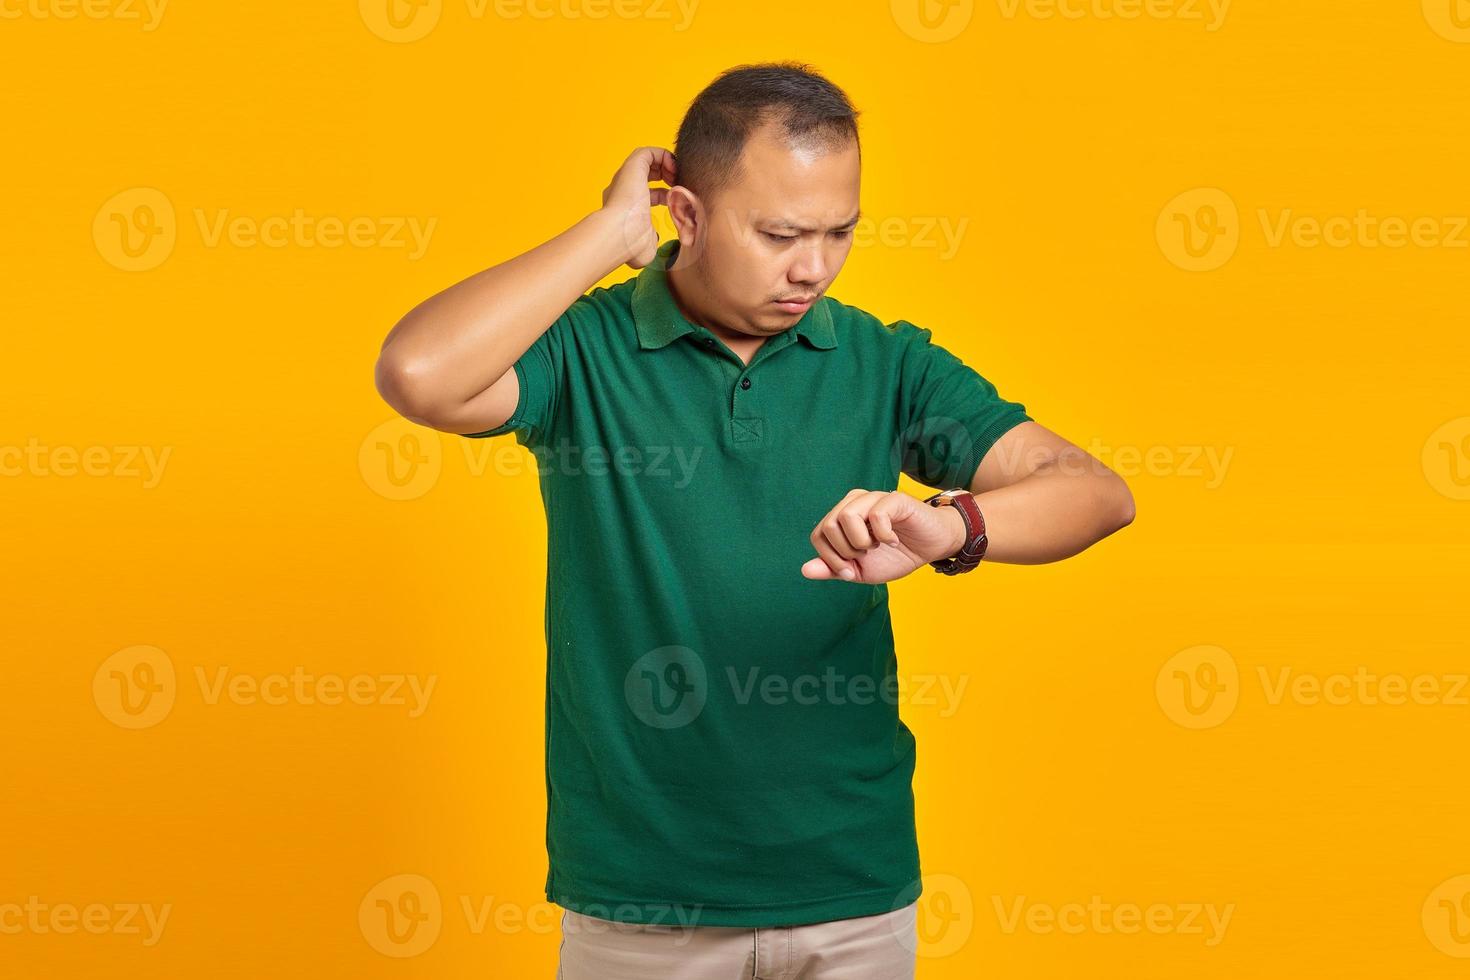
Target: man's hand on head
629,201
874,536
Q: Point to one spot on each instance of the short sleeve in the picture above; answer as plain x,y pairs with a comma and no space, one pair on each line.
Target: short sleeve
540,376
949,415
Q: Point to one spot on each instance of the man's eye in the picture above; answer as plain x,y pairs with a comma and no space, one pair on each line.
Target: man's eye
779,238
842,234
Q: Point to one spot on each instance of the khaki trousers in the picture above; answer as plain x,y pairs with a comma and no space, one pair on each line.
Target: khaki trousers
871,947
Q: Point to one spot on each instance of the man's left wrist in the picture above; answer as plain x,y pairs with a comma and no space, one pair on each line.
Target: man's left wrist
959,533
973,541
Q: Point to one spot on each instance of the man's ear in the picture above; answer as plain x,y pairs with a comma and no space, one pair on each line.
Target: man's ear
688,214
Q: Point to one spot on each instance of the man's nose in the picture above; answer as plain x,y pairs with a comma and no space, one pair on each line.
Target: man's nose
810,267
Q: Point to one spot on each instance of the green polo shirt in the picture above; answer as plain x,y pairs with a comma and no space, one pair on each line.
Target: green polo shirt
723,741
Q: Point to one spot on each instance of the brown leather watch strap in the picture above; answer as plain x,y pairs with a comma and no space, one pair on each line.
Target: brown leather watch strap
976,540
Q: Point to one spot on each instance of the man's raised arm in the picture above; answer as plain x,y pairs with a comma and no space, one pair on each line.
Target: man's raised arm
447,363
1045,498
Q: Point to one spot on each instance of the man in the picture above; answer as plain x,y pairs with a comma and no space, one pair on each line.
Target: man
720,444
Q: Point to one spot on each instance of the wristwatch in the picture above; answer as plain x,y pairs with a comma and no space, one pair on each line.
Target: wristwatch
975,540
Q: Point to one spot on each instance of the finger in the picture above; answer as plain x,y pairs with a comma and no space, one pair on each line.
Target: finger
836,538
891,509
658,195
639,162
854,524
823,542
836,564
880,522
837,507
660,163
831,526
642,166
851,526
817,569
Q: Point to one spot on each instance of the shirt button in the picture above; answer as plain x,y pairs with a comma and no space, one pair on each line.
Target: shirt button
745,382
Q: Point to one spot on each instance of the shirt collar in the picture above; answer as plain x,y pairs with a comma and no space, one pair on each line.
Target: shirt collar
659,323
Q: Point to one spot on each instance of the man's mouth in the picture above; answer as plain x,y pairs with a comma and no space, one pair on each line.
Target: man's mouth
796,305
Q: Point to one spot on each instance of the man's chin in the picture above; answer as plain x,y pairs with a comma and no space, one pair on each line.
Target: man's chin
775,318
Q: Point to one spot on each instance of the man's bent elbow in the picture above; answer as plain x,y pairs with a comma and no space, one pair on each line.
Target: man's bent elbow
1123,509
406,389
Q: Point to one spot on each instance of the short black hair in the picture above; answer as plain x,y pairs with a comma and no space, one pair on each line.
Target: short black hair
721,118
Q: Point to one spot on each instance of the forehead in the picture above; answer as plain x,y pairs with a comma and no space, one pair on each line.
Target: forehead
779,178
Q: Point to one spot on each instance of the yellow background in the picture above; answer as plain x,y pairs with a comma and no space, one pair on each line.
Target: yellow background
1331,379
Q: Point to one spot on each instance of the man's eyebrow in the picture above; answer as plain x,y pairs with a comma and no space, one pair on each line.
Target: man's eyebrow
788,223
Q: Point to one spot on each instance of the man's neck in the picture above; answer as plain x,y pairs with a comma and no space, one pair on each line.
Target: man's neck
684,288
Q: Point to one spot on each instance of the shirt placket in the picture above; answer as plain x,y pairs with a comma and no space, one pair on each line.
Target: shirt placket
746,426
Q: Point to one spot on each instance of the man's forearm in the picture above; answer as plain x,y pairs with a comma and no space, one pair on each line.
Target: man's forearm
460,341
1060,509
